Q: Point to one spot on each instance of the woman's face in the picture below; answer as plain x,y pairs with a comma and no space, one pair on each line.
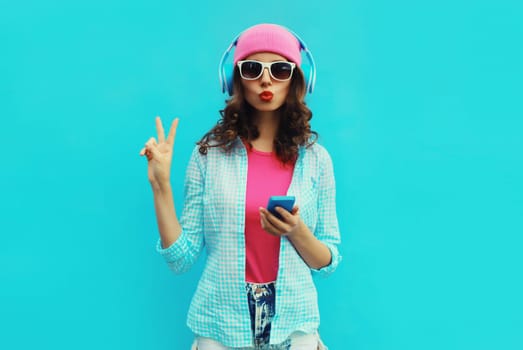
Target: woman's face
265,93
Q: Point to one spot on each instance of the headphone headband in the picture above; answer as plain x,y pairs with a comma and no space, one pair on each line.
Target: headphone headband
226,68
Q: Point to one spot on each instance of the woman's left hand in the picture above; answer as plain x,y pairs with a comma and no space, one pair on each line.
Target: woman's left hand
288,225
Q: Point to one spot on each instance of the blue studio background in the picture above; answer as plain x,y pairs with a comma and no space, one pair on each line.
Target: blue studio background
418,102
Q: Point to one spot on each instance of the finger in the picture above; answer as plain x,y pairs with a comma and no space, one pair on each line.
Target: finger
152,147
148,155
278,224
283,217
267,226
286,216
172,132
159,130
151,142
263,221
151,151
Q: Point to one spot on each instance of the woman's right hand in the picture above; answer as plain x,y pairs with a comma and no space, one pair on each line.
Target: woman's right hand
159,154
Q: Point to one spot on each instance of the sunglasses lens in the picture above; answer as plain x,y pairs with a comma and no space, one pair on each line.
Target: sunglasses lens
251,69
281,70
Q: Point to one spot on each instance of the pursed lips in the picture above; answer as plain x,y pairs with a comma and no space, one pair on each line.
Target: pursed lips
266,96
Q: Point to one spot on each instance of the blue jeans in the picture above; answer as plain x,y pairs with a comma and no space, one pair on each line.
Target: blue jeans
262,306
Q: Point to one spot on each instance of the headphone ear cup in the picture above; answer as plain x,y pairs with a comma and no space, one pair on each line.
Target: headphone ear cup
307,75
228,71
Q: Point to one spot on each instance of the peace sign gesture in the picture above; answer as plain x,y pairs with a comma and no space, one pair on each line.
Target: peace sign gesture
159,154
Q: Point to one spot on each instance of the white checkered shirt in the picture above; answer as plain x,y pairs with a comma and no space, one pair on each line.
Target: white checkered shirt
214,217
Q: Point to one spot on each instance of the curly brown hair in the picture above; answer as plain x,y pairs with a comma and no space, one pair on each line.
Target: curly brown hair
294,130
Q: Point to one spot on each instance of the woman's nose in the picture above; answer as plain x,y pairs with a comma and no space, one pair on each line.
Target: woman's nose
266,76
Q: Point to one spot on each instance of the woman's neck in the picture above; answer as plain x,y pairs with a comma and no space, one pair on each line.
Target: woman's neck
267,124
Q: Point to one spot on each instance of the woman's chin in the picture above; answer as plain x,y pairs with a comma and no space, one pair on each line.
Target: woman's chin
266,106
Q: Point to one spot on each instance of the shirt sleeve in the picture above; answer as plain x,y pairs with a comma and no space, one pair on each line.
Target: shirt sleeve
327,228
183,253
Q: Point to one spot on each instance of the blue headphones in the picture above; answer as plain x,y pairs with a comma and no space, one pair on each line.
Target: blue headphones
226,69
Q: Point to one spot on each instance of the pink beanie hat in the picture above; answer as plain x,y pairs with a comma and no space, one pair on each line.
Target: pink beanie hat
268,38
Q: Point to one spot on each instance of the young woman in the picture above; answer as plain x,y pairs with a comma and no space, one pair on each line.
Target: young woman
257,289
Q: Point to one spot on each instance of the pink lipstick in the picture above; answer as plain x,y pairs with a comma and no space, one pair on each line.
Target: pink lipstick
266,96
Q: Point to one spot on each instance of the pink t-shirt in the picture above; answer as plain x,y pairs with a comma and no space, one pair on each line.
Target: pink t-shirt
266,176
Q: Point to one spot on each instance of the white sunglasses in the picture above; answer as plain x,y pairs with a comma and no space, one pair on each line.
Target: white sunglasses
279,70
